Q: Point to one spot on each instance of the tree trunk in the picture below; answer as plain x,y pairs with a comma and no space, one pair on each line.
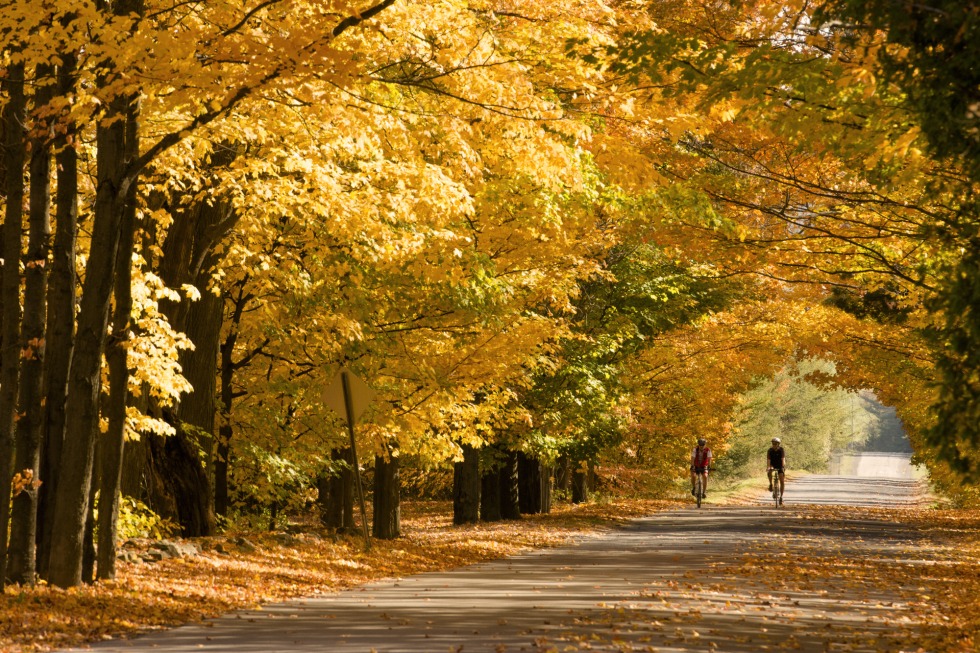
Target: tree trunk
490,496
466,487
117,359
545,477
563,476
529,479
21,565
337,502
61,316
189,257
75,467
222,452
323,498
229,366
347,490
222,455
273,515
387,507
197,409
174,475
510,498
331,500
580,485
14,155
88,546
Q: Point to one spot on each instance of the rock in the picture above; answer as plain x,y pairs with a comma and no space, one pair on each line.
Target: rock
245,545
128,555
176,549
155,555
285,539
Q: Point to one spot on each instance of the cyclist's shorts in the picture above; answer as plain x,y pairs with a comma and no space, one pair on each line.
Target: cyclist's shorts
781,470
699,470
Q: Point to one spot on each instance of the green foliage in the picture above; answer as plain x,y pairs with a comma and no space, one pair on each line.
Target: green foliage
262,478
932,53
812,422
641,293
956,431
136,519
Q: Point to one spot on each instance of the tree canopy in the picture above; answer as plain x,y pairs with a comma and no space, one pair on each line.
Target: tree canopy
578,232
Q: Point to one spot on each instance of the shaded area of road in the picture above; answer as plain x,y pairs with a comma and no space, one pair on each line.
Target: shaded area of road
680,581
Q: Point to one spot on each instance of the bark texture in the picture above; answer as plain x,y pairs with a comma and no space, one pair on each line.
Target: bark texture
117,359
190,257
14,158
75,467
60,328
580,485
510,505
21,564
387,506
529,478
466,487
490,496
337,502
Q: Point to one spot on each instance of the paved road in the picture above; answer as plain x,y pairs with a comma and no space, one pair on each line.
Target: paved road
877,480
666,583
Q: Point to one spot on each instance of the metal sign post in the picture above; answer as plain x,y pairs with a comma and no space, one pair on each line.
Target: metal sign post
348,396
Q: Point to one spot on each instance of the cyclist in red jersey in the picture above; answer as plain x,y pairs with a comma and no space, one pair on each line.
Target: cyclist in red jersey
700,462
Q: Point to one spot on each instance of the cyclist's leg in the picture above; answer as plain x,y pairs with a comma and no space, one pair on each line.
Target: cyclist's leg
704,483
694,480
769,475
782,482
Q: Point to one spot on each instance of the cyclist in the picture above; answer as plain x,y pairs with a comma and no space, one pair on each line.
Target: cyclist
700,462
776,461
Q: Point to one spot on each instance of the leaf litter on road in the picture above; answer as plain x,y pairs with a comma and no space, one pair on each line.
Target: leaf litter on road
873,585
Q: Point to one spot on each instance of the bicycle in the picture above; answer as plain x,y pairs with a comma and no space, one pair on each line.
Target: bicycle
777,496
699,485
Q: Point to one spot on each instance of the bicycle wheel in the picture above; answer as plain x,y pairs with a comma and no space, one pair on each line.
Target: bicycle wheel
699,489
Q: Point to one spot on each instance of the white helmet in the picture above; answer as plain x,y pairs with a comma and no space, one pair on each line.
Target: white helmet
776,440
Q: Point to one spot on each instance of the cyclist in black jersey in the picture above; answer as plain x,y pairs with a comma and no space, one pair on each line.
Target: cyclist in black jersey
776,461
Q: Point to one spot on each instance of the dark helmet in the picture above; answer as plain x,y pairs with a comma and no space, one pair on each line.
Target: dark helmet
702,442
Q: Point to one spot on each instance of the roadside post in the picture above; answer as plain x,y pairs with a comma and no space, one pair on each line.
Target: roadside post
348,396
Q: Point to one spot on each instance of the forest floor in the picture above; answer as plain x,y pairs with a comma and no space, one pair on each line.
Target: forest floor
804,577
